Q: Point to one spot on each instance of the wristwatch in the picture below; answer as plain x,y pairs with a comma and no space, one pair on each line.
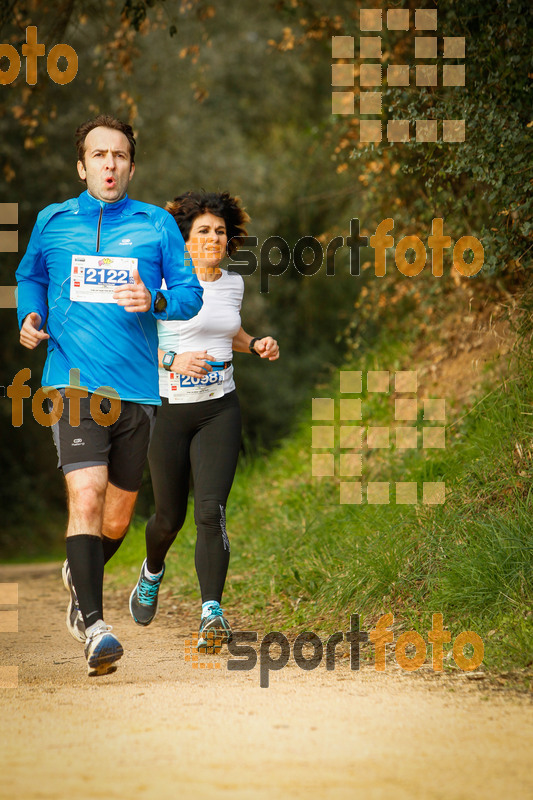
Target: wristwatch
160,302
251,345
167,360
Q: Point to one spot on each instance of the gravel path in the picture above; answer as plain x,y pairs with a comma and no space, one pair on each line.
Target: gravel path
160,728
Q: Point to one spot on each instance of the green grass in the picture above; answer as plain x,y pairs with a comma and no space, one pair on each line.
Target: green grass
301,560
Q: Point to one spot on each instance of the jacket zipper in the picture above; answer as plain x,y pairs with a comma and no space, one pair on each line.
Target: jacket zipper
98,229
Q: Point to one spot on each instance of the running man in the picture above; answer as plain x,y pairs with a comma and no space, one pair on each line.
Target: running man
93,271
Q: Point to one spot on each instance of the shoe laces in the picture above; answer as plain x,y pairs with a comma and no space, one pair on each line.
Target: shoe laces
213,610
101,630
147,590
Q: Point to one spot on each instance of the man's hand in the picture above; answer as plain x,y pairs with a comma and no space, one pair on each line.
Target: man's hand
267,348
134,297
192,363
30,335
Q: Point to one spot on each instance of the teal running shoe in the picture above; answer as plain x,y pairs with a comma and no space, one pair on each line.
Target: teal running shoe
214,629
143,599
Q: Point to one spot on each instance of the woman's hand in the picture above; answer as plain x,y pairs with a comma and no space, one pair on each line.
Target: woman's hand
267,348
193,364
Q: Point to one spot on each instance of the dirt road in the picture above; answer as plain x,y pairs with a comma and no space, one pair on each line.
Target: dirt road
159,728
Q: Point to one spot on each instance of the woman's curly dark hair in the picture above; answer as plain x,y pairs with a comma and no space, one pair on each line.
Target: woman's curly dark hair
186,207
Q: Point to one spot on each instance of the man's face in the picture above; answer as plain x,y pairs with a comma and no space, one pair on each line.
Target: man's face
107,168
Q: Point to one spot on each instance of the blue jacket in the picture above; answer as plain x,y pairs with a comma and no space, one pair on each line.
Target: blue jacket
109,345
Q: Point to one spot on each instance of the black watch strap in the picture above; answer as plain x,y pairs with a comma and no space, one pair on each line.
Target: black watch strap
251,345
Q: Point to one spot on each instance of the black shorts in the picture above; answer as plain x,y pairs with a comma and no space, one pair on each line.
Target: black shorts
121,446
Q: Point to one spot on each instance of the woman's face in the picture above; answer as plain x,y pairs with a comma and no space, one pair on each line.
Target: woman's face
207,241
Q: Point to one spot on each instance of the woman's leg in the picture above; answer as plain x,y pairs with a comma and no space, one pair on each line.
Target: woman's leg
214,453
169,468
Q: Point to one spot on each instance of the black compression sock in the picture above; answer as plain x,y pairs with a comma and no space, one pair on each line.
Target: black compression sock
86,561
111,546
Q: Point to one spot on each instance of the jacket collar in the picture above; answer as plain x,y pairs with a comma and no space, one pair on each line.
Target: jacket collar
90,205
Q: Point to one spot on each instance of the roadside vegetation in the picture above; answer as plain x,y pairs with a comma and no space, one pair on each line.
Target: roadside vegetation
303,561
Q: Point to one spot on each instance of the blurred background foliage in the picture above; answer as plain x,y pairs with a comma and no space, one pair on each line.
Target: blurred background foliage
237,96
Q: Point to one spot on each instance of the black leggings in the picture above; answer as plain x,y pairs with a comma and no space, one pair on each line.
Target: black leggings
206,438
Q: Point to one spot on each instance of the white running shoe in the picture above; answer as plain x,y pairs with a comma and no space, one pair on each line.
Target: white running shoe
102,650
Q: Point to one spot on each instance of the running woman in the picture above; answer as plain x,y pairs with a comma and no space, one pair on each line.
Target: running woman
93,271
198,427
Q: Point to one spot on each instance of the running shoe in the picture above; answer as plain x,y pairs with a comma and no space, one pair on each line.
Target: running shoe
214,630
75,623
102,650
143,599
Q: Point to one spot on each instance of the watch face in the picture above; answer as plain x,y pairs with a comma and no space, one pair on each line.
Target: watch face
168,358
160,302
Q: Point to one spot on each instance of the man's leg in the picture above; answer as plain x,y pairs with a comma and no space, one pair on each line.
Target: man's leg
100,513
82,452
130,437
86,489
118,511
85,555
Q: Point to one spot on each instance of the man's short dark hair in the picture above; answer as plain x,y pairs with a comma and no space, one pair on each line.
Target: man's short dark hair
103,121
190,205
